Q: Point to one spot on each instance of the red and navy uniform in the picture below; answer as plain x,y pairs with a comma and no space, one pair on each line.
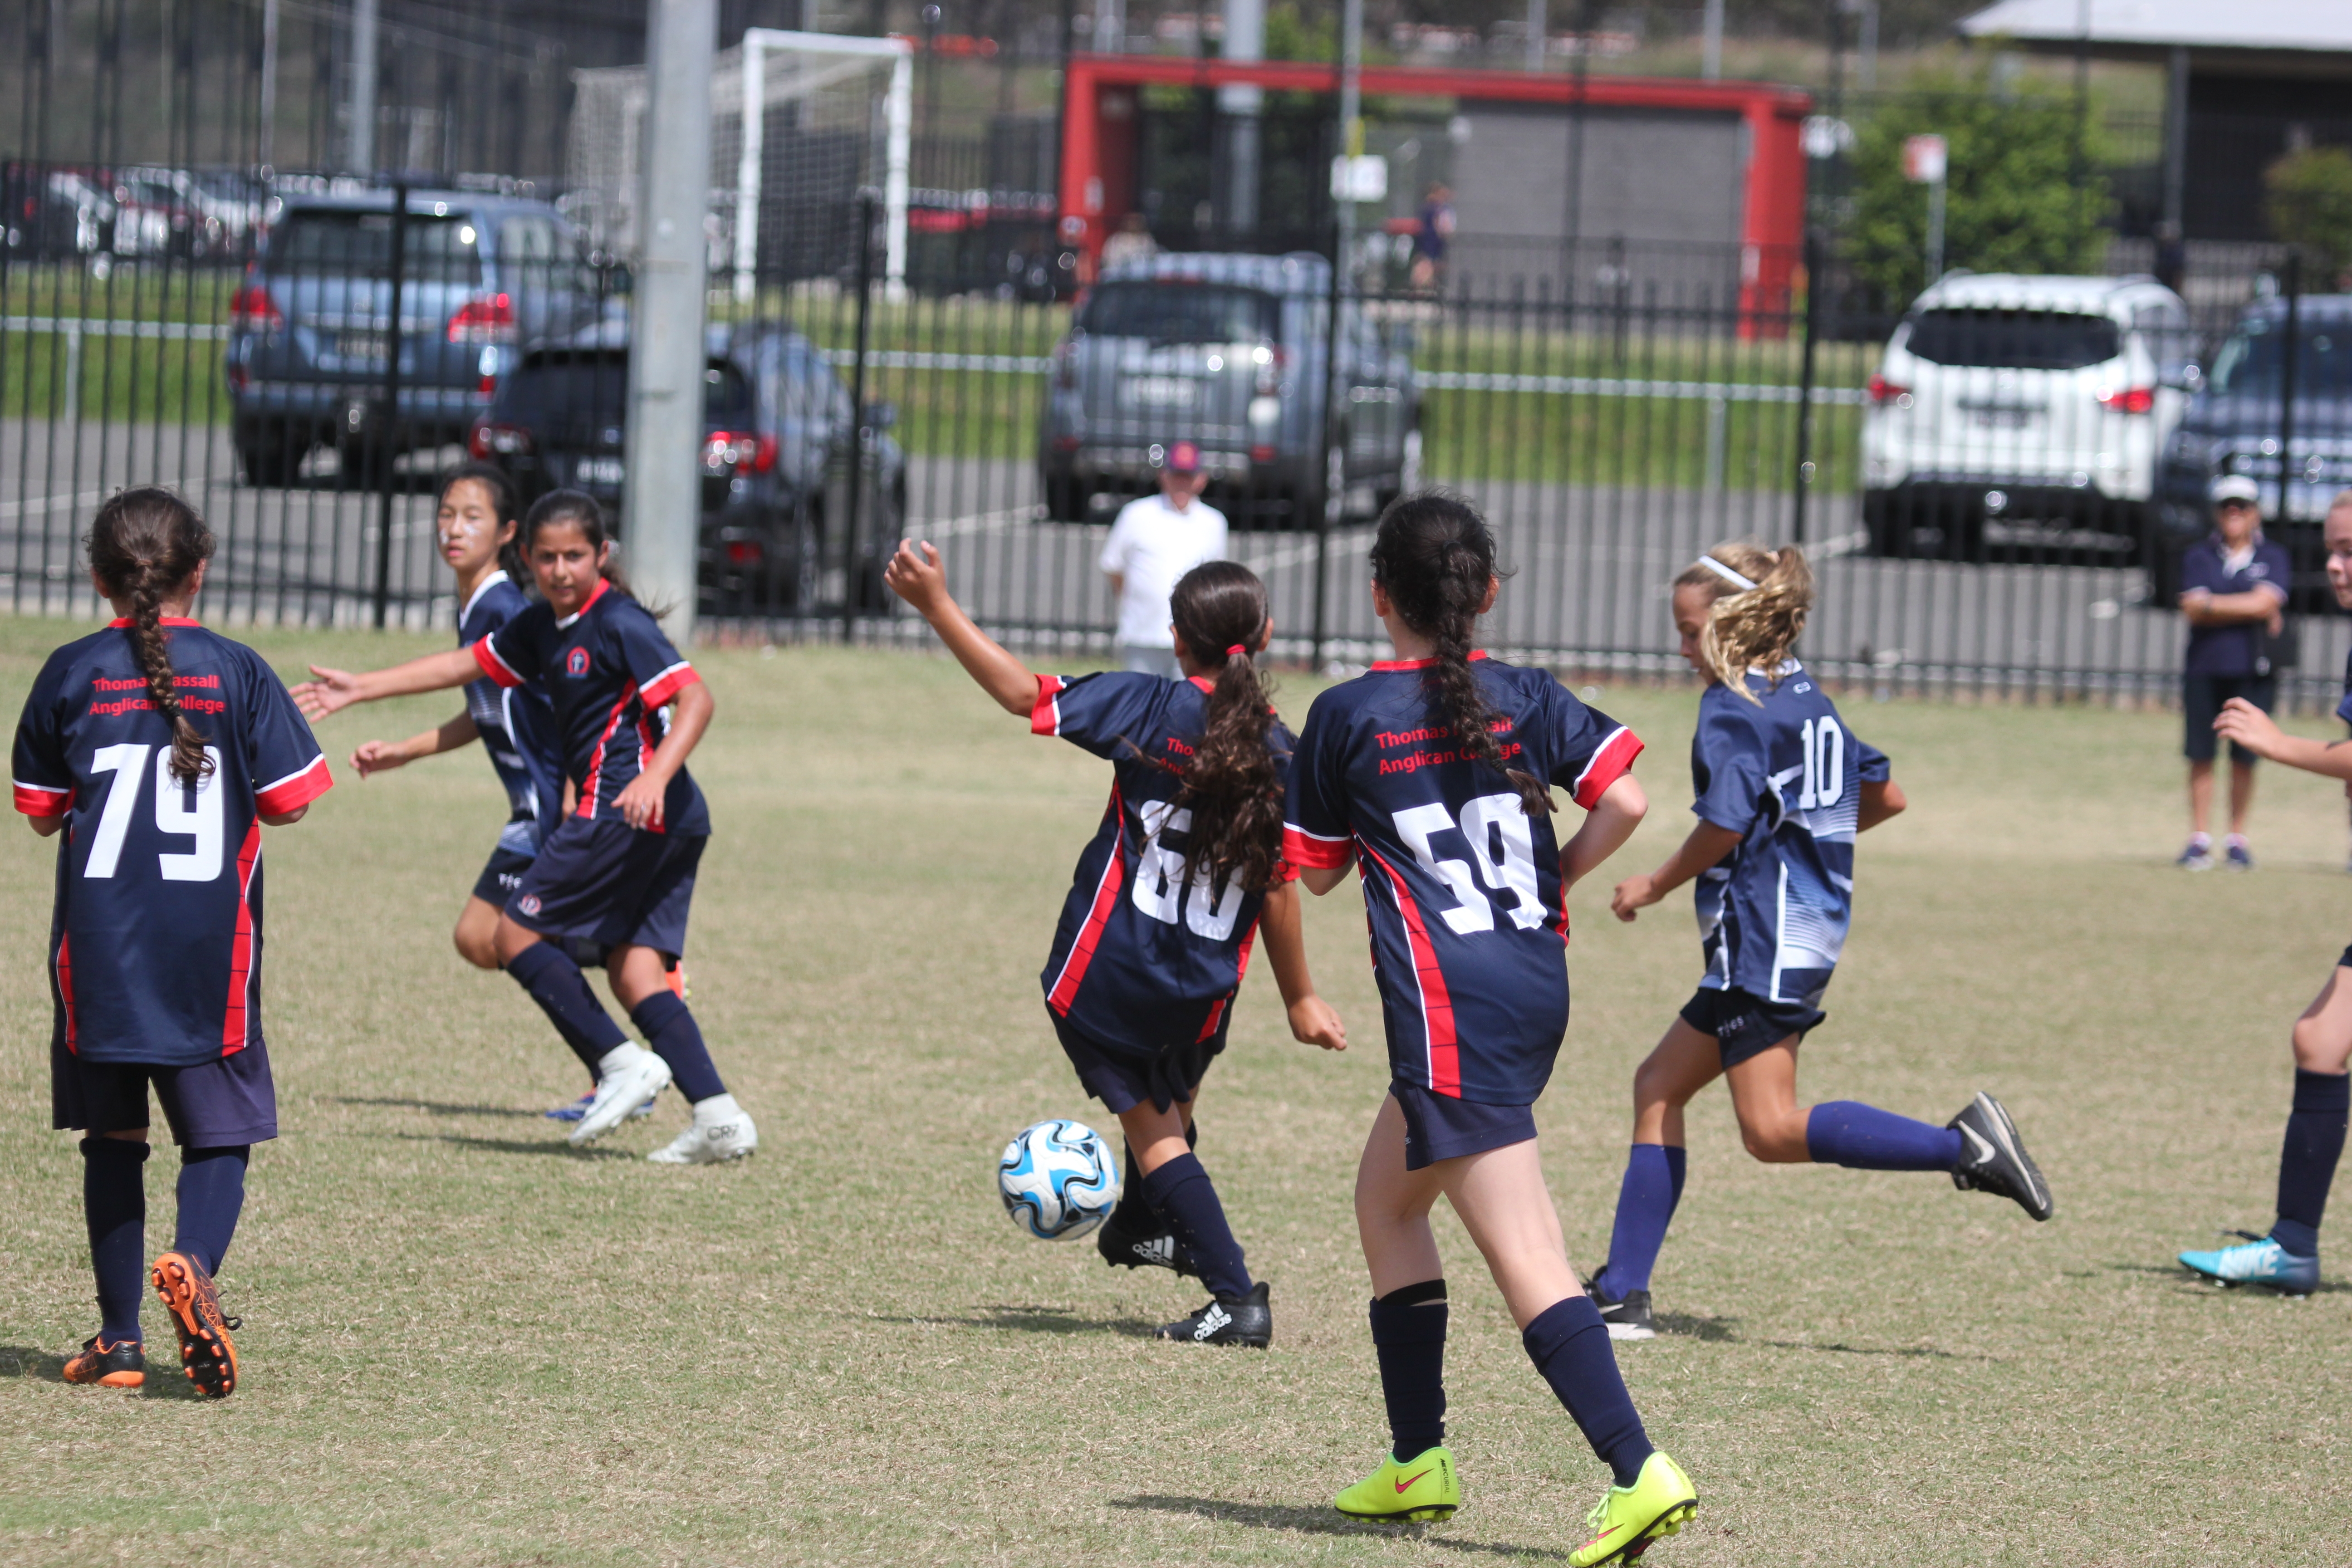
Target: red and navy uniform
1148,954
1461,888
155,942
518,729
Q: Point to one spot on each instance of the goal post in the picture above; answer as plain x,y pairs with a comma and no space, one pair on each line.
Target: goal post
852,57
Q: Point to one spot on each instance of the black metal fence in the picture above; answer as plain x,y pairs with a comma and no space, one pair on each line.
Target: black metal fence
1613,408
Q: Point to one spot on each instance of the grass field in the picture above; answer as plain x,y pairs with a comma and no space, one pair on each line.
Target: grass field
465,1343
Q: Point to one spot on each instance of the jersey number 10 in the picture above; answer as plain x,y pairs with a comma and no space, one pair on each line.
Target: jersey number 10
179,811
1824,776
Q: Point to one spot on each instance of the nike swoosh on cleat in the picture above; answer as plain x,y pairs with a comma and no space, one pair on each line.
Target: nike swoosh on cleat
1410,1478
1984,1150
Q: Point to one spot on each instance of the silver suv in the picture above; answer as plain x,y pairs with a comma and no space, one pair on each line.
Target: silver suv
1228,352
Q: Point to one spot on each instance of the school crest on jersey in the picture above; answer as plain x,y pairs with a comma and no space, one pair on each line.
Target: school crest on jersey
528,903
576,662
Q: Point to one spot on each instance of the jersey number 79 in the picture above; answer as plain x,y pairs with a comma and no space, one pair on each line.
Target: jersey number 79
179,811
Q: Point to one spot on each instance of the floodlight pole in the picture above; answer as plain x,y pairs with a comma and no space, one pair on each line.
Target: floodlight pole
359,153
662,487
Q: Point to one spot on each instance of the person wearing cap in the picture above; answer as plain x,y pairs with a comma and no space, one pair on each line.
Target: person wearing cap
1156,540
2233,596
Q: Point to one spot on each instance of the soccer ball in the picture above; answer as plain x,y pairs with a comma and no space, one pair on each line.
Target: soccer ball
1058,1179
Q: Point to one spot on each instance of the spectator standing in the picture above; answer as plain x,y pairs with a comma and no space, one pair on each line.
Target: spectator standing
1430,239
1156,540
1132,241
2233,596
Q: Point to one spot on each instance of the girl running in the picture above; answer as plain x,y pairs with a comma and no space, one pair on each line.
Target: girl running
160,748
1155,935
1435,767
1784,787
619,872
2286,1259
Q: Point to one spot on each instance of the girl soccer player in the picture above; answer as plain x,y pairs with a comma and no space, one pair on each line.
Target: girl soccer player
1155,935
1434,769
619,872
1783,788
160,748
2286,1259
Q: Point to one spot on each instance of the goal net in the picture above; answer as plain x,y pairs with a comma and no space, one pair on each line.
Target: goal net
800,122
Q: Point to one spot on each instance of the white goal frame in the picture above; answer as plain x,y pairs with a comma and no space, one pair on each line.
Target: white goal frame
855,56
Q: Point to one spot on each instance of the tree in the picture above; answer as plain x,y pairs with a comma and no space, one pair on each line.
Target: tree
2309,198
2022,195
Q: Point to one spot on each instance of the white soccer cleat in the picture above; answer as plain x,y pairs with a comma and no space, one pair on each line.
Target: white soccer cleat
721,1131
626,1084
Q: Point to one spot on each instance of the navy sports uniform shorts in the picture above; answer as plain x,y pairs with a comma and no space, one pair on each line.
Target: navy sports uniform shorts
1744,1026
1123,1077
604,882
501,875
1439,1127
2201,697
215,1105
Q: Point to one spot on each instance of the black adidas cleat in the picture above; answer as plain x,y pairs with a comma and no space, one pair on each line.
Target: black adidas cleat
1228,1320
1123,1247
1627,1316
1993,1159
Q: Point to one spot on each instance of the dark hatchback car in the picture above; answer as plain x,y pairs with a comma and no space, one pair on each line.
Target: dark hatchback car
2235,423
777,435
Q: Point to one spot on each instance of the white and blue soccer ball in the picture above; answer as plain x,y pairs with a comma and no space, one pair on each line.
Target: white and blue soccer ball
1058,1179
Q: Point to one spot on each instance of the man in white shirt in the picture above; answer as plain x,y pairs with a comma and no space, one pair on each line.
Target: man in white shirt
1157,540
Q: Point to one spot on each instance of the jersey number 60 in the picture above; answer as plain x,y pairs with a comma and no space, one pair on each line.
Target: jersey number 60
178,810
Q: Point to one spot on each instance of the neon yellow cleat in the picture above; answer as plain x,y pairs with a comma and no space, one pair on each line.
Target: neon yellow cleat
1659,1502
1427,1489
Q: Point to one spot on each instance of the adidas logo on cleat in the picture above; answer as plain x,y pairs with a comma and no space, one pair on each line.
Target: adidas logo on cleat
1215,1318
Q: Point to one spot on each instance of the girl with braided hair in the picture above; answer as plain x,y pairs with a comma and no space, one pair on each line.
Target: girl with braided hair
1782,787
165,748
1434,769
1183,871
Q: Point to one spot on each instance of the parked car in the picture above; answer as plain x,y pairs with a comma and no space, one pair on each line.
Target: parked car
483,277
2234,424
1229,351
2033,407
777,433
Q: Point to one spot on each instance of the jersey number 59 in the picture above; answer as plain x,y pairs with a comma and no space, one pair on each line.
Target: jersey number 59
1503,845
179,811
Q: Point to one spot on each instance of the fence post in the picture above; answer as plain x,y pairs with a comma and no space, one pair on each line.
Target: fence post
1805,381
2289,367
391,423
849,575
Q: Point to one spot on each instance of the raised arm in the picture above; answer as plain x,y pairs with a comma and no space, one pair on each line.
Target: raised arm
1312,1021
2251,728
919,579
383,756
330,690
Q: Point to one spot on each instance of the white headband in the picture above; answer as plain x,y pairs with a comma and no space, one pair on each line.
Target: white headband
1726,573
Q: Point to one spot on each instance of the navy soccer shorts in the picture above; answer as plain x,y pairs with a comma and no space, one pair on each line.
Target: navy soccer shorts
1744,1026
2201,697
501,875
603,882
214,1105
1123,1079
1439,1127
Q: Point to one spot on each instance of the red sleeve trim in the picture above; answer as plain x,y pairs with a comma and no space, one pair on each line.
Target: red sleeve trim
669,683
40,800
1045,713
1609,765
493,666
294,790
1305,850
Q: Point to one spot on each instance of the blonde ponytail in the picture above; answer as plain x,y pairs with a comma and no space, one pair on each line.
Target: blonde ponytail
1753,627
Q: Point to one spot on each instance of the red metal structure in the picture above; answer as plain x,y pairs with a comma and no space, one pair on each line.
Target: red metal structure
1100,121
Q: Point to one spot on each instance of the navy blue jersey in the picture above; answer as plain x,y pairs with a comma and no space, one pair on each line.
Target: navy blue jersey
608,670
517,723
2343,709
1461,888
1147,955
2235,649
1787,776
155,940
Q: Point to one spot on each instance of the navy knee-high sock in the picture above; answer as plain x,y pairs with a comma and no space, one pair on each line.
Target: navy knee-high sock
1645,1205
1569,1345
2315,1141
114,1201
1183,1197
1409,1337
554,982
677,1038
1865,1138
212,1195
1135,1208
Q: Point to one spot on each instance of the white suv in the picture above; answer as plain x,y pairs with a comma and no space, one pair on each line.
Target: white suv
2024,409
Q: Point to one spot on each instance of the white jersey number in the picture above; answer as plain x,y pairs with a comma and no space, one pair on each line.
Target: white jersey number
1824,776
1504,846
179,811
1161,875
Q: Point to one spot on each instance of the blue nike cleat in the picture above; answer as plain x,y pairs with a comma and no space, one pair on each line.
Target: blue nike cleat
579,1108
2258,1260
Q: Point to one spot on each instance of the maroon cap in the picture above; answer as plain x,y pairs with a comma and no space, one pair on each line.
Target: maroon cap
1183,457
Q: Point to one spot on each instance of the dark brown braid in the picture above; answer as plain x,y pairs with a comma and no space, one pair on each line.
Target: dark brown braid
1434,557
1231,785
146,544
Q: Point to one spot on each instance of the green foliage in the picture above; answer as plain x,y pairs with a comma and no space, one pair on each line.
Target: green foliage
1291,35
2023,196
2308,197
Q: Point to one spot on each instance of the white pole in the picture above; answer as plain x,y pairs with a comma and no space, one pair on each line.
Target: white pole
900,111
1711,45
747,166
1538,24
265,146
360,144
1934,228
